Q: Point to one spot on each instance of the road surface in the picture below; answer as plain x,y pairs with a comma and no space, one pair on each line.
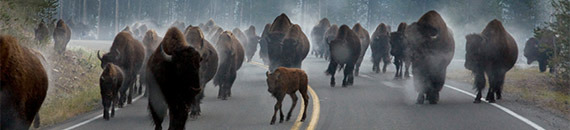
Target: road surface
375,101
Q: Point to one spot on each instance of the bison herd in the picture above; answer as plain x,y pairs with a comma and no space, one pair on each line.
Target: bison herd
176,68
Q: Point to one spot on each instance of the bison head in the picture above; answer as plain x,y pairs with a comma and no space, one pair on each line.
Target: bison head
186,61
273,82
473,48
110,57
531,50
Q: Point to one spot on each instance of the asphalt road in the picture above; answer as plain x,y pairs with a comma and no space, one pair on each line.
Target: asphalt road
375,101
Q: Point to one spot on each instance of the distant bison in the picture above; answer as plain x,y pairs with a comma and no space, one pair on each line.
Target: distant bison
110,81
24,84
178,24
493,52
380,47
174,80
432,47
287,45
151,40
318,37
251,46
61,36
541,49
42,32
330,35
208,65
345,50
401,51
240,36
127,53
231,58
287,81
263,45
364,37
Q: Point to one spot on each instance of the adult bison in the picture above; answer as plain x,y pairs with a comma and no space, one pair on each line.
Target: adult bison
208,65
263,45
178,24
400,51
432,47
317,37
110,81
151,40
240,36
287,45
24,84
251,45
330,35
364,37
215,34
174,80
61,36
231,57
380,47
493,52
345,50
127,53
42,32
541,49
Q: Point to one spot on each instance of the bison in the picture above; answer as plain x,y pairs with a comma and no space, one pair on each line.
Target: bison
42,32
24,84
492,52
380,47
215,34
151,40
110,81
287,45
240,36
251,46
61,36
208,65
345,50
287,81
174,80
364,37
178,24
330,35
541,49
127,53
263,45
400,51
318,37
432,46
231,56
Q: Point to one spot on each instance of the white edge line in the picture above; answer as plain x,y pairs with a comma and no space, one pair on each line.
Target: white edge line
98,116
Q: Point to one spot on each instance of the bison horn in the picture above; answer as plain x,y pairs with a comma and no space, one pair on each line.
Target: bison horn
166,56
98,55
118,54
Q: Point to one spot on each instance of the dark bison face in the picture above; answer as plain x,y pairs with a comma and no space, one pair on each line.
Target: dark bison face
272,82
186,61
418,34
108,58
531,50
106,84
397,43
473,55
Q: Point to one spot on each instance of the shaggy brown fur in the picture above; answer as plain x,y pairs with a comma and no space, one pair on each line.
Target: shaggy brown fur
263,54
287,81
127,53
318,37
432,47
42,32
364,37
174,80
345,50
330,35
493,52
287,45
61,36
401,51
208,65
231,56
380,48
110,81
253,40
24,84
541,49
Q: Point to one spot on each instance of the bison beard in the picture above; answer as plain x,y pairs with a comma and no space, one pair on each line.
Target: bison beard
493,52
432,47
173,80
345,50
24,84
287,81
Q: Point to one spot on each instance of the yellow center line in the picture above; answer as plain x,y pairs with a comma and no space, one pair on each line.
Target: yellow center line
316,106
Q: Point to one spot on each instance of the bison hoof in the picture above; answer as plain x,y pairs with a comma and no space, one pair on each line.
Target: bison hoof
272,123
492,101
432,102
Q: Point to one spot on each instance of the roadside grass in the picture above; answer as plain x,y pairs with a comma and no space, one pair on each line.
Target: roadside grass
74,86
529,86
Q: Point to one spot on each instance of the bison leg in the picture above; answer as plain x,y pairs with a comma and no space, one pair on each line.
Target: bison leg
196,105
276,108
419,84
37,121
375,65
303,91
357,67
293,104
479,85
407,74
178,116
131,87
331,71
542,65
349,74
498,84
386,62
397,63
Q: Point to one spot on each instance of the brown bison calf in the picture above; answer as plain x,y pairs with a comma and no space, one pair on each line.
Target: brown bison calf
287,81
23,85
110,82
493,52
